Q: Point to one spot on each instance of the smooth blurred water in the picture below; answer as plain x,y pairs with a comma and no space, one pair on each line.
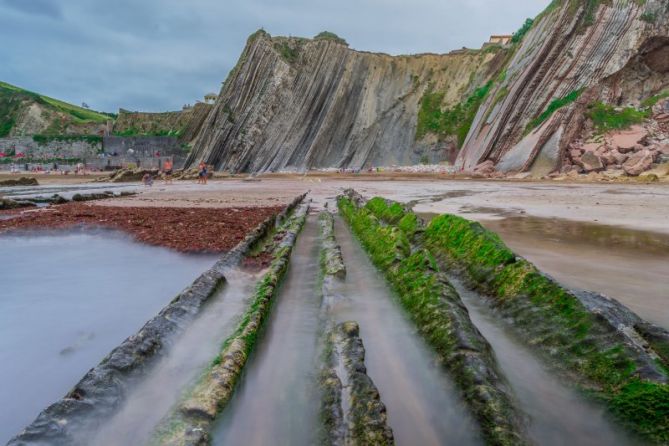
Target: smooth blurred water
66,300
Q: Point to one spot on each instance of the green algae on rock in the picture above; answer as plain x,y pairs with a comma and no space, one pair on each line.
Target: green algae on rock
191,419
611,353
435,307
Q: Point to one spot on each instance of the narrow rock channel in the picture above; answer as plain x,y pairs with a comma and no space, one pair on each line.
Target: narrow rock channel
276,400
152,398
422,403
559,415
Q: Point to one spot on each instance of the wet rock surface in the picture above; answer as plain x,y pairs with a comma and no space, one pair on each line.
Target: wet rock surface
9,204
72,420
440,316
191,420
23,181
352,408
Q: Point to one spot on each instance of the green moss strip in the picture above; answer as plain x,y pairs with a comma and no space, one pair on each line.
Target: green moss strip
190,421
553,320
438,313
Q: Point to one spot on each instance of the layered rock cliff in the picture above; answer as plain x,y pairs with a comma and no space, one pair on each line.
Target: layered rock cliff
577,54
294,103
297,104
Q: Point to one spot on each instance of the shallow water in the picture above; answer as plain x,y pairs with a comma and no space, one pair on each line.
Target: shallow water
628,265
156,394
66,301
559,415
276,402
423,405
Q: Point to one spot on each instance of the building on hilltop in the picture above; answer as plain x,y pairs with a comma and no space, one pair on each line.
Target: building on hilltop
502,39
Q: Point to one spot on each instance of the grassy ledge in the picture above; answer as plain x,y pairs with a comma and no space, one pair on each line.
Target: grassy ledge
386,233
189,422
630,381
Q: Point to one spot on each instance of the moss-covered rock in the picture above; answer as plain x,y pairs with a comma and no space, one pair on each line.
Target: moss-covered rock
441,318
191,419
602,346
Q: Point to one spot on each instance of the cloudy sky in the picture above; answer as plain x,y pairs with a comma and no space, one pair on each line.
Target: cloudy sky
157,55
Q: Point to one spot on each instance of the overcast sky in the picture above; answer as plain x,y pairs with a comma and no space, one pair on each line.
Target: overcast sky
156,55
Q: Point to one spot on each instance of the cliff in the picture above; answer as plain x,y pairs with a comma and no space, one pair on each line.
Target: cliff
294,103
578,54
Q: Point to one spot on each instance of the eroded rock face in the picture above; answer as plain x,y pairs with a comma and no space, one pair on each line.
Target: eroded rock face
297,104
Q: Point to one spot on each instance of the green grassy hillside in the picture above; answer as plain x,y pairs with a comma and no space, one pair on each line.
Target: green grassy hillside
13,100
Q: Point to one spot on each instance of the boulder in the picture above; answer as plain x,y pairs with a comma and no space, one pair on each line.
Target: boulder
661,171
592,163
638,163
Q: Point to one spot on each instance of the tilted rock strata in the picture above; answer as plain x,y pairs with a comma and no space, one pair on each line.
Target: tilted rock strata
71,420
296,104
618,59
345,379
191,419
439,314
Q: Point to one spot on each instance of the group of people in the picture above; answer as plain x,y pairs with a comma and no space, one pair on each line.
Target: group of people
168,170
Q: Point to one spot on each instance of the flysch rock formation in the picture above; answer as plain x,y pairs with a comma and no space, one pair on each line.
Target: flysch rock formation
616,52
296,104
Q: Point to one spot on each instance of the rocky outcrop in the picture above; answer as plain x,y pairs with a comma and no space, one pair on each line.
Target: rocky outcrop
23,181
192,418
295,104
352,410
71,420
576,54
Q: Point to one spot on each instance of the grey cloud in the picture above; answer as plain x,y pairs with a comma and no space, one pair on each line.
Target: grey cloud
47,8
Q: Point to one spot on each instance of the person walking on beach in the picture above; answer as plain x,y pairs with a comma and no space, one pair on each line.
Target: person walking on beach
202,175
167,171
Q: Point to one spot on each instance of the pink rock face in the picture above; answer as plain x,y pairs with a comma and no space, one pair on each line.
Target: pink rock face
638,163
626,140
592,162
618,157
663,117
485,168
575,153
591,147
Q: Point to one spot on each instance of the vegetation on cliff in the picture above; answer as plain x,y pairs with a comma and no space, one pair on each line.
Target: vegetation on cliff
554,106
607,117
455,121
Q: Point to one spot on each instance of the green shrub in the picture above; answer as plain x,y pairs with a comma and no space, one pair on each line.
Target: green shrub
455,121
552,108
606,117
518,36
327,35
653,100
